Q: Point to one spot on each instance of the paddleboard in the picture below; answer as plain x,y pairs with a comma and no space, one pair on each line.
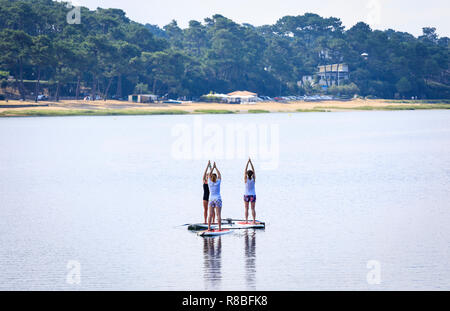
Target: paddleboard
234,225
214,233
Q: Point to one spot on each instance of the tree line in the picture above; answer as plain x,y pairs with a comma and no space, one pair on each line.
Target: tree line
110,56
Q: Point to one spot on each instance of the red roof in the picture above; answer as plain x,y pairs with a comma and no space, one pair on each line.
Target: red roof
242,93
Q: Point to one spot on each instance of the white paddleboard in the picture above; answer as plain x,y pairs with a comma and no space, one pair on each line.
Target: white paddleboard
238,225
213,233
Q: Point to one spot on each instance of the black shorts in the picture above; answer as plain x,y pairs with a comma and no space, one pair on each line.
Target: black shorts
205,192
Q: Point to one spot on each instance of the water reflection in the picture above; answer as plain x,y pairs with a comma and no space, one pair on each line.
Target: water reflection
212,254
212,264
250,258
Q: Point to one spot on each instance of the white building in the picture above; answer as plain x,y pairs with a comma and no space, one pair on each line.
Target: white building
332,74
142,98
242,97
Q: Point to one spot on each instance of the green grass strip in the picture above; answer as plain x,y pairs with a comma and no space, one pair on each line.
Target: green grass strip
258,111
312,110
86,112
392,107
212,111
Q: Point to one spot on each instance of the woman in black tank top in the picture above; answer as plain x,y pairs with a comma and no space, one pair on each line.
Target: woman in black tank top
206,194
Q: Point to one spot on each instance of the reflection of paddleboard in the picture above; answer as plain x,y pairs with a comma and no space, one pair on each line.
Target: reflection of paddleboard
233,225
250,223
214,233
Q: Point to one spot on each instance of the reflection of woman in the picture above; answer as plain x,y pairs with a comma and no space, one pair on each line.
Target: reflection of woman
250,257
250,193
212,251
206,194
215,202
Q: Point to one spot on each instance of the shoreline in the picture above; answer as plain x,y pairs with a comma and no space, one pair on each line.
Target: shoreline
117,108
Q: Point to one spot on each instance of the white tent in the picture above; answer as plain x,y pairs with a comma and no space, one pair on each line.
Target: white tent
243,96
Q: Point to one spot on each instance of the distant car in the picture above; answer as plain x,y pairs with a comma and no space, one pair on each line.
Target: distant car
312,98
42,97
116,97
171,101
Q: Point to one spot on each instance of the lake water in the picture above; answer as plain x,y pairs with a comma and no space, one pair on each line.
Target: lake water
348,195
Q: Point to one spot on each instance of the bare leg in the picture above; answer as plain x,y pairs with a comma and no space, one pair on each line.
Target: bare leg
246,211
210,218
213,214
219,217
205,211
254,212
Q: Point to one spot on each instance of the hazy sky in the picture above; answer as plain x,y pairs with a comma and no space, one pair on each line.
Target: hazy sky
402,15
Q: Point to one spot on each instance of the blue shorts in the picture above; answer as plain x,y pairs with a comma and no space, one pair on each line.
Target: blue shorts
215,203
250,198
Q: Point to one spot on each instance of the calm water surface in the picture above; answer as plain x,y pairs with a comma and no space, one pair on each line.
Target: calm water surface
108,193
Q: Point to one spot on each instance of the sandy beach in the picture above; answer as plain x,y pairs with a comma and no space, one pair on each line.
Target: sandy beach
100,107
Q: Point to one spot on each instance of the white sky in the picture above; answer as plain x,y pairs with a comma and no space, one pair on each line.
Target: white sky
401,15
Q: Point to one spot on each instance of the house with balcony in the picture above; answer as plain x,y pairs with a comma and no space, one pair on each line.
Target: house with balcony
327,75
333,74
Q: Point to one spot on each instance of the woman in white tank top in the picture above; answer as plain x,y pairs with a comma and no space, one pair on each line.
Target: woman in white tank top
215,199
250,193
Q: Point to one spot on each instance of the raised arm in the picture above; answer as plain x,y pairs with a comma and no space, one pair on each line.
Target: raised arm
253,169
246,170
205,175
211,172
219,176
